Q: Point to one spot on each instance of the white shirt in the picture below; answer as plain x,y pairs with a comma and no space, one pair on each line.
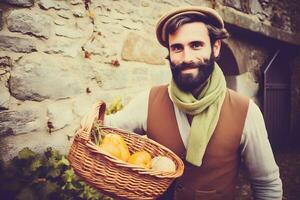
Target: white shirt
256,151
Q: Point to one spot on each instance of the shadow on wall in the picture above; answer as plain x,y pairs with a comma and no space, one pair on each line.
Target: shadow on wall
229,66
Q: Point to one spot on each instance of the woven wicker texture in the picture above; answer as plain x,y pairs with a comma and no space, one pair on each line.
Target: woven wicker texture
113,176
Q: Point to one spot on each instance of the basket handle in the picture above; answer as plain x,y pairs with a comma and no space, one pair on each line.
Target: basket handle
97,112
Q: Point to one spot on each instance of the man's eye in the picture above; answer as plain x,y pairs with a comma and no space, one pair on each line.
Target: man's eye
176,48
196,45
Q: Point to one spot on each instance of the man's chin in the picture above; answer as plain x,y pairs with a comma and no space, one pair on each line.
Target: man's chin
185,85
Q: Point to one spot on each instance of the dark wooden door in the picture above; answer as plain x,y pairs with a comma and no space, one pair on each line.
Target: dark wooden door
276,99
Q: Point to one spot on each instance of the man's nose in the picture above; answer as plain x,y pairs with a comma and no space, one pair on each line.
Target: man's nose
188,56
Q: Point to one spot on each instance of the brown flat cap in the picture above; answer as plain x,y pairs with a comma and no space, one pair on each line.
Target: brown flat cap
207,12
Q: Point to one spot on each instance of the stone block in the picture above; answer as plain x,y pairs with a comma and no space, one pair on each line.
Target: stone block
21,3
57,5
67,32
140,49
255,7
27,118
39,76
33,23
16,44
60,114
65,47
233,3
4,96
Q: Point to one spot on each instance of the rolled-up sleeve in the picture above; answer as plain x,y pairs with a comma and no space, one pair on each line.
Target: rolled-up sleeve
258,157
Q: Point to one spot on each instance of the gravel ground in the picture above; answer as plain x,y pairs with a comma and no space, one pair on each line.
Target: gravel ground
288,161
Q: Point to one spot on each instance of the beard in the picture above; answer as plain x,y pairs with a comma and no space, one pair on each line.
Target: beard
187,82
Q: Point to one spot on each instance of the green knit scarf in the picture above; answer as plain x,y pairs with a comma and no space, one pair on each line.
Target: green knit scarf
205,111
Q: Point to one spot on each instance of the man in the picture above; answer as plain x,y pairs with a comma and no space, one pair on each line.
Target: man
209,126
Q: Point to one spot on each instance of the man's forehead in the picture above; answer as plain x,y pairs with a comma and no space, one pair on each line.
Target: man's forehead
195,31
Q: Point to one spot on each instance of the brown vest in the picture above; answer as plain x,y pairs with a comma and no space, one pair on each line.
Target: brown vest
216,177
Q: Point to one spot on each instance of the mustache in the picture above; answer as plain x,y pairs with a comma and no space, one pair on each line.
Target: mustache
185,65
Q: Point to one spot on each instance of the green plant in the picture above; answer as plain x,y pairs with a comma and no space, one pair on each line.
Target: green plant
31,176
48,176
115,106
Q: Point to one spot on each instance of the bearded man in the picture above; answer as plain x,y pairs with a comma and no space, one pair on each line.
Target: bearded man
212,128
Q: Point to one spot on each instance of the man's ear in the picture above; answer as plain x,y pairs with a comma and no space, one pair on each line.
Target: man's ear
217,47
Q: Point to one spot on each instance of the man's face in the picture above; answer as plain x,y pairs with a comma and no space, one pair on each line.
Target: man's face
191,55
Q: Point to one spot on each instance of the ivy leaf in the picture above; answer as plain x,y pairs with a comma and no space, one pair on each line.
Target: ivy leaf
31,176
52,162
26,153
69,186
68,175
89,193
35,165
63,161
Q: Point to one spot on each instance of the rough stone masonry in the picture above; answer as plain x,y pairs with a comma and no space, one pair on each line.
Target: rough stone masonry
59,57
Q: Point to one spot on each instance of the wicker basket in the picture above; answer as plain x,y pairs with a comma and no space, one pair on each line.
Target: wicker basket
115,177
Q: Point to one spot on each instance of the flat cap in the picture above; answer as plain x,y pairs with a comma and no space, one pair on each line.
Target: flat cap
206,12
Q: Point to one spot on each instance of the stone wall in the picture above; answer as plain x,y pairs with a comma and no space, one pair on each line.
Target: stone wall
58,57
276,12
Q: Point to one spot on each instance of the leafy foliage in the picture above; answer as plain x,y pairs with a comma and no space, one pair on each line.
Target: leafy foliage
115,106
31,176
48,176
